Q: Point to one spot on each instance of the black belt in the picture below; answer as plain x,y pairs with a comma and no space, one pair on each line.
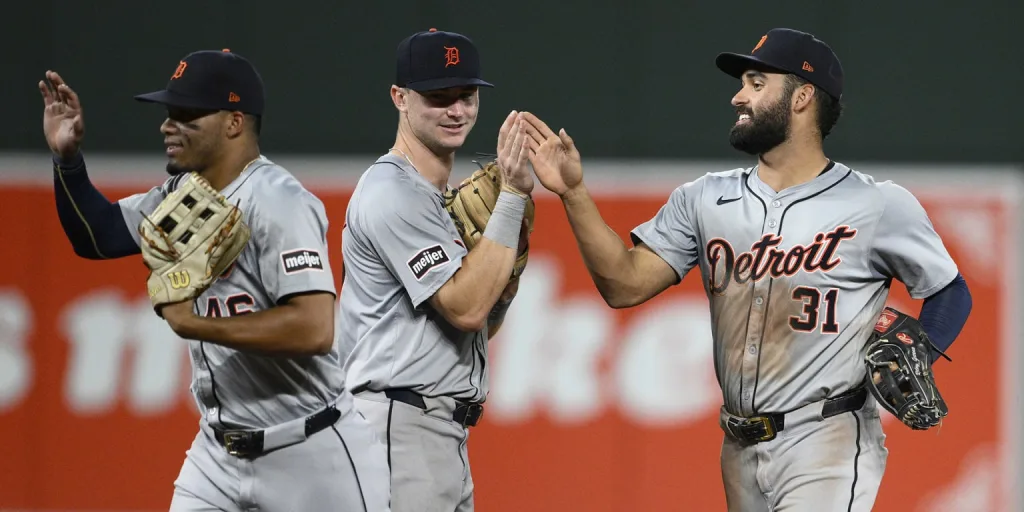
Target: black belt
765,427
249,443
466,414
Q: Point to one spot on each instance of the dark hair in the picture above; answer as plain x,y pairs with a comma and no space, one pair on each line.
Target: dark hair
829,107
257,123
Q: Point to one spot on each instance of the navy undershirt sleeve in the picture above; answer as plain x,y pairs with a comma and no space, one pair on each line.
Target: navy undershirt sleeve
94,225
944,314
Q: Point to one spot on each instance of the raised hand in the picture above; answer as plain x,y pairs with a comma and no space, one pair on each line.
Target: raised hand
513,154
554,157
62,116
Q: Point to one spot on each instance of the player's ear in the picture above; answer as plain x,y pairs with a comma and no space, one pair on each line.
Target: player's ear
803,97
234,124
400,97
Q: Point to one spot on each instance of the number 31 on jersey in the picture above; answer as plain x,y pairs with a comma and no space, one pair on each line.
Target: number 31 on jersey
818,306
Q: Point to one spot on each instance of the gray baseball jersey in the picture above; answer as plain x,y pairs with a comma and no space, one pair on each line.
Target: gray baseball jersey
795,279
287,254
400,246
341,467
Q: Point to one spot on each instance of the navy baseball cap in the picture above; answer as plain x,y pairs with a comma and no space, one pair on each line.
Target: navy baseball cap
438,60
212,80
789,51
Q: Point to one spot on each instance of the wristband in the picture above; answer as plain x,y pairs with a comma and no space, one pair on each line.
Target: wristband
506,220
508,188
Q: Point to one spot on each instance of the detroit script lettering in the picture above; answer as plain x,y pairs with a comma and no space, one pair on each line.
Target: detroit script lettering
765,258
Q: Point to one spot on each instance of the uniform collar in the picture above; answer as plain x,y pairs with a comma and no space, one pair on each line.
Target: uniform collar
830,175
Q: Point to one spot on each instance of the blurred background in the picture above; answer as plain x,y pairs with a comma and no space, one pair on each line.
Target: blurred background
591,408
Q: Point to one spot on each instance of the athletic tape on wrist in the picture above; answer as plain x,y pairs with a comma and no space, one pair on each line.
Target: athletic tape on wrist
506,219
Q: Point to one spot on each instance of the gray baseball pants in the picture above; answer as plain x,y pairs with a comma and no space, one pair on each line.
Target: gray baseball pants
814,464
426,451
340,468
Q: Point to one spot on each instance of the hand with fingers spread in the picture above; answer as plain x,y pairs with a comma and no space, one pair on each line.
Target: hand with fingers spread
554,157
513,155
62,116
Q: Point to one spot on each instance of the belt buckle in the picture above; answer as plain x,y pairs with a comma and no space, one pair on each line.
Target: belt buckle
237,442
769,428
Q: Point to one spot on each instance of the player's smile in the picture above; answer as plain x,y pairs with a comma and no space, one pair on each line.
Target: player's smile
744,116
454,128
173,148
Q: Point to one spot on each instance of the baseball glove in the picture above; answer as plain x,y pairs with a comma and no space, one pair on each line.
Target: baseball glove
898,360
191,238
470,206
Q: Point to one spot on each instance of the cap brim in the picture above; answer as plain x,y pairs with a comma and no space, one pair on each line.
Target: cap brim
735,64
444,83
173,99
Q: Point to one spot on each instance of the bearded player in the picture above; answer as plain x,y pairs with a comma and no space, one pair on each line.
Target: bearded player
797,254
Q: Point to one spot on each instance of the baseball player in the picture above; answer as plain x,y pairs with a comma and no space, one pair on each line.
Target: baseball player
796,254
277,429
418,307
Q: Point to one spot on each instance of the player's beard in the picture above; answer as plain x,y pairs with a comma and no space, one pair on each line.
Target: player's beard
199,156
765,130
174,169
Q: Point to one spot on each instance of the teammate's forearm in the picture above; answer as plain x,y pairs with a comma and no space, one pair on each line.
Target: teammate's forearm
94,226
282,331
605,254
468,297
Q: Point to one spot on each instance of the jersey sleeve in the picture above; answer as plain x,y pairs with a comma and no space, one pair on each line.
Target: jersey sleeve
672,232
410,232
906,246
136,206
289,230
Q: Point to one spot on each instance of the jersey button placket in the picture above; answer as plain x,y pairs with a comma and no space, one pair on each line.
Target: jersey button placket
749,373
755,324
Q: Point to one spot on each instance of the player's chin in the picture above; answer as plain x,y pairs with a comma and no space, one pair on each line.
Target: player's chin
741,129
742,138
176,167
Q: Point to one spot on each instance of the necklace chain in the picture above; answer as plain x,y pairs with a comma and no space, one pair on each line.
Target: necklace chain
411,162
406,157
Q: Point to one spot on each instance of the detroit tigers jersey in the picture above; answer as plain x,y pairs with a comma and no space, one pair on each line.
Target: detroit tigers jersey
400,246
795,279
287,254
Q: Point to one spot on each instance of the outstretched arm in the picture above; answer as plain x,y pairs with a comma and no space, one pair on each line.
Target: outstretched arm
624,276
94,226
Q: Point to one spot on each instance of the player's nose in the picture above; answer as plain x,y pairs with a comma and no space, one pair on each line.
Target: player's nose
739,99
456,110
168,127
